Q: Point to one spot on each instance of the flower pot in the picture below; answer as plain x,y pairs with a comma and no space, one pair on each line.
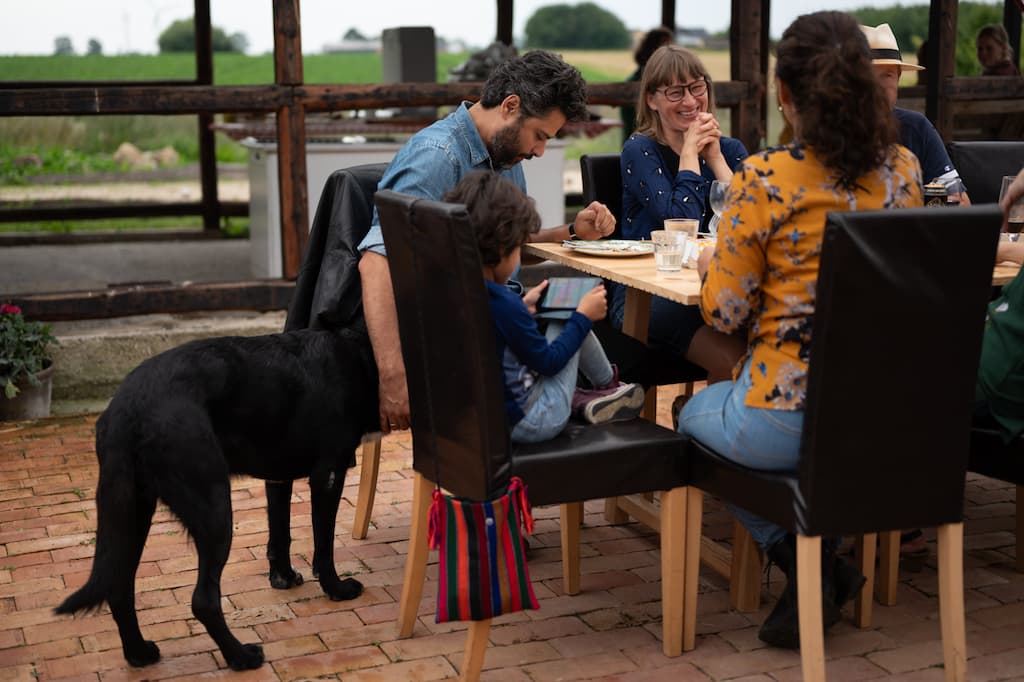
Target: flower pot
32,402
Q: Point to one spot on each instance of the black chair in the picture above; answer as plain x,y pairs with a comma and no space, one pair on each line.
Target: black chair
458,414
901,297
329,295
991,457
982,166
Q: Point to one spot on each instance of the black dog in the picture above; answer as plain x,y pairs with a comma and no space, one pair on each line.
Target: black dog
276,407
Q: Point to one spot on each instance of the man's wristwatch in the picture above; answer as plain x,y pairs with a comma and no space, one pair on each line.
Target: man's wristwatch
572,231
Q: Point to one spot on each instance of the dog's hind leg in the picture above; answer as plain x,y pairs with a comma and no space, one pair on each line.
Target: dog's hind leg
137,650
279,523
203,503
325,484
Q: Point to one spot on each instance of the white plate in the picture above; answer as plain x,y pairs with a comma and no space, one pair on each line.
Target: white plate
610,247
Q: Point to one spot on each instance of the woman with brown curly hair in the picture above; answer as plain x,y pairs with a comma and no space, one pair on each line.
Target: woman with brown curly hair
760,280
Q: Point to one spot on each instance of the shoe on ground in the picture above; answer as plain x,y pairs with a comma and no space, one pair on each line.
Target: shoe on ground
602,405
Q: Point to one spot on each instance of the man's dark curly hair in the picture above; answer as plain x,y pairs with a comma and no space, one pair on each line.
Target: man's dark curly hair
502,216
543,82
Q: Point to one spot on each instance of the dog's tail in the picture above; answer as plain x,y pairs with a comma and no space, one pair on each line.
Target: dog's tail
117,539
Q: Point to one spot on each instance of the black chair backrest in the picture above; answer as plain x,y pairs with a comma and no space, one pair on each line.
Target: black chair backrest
328,292
982,166
602,181
456,397
897,334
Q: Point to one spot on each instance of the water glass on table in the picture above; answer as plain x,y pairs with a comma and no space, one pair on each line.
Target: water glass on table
669,249
1015,216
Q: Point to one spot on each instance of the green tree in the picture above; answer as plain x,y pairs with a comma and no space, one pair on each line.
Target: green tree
583,26
95,47
180,36
62,46
353,34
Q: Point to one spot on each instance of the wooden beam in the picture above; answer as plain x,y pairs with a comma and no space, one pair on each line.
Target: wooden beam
291,137
64,210
942,15
668,14
136,300
287,43
144,99
103,237
1011,20
505,16
745,37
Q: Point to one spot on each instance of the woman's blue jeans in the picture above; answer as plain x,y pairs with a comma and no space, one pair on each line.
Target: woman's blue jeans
755,437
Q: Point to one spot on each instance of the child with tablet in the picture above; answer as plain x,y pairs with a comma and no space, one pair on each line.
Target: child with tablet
539,370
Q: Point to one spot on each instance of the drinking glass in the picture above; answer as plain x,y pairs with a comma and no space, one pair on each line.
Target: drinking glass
716,196
1015,217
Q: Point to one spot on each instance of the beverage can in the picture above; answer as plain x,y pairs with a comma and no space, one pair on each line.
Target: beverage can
934,194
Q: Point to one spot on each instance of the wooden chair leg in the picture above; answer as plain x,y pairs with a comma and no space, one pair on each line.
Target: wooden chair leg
370,464
1020,529
812,628
476,647
694,519
951,600
864,550
416,560
571,514
888,567
673,569
744,571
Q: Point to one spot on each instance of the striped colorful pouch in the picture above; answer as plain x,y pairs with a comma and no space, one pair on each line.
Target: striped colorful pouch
482,569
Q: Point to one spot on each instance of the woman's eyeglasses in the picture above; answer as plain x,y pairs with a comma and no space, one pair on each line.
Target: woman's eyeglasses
675,93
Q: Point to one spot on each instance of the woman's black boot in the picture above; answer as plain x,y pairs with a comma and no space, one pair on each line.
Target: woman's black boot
782,626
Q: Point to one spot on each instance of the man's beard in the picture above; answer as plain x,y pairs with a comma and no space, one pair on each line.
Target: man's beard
503,147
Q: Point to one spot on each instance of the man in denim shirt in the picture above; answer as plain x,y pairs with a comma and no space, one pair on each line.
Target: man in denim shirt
523,104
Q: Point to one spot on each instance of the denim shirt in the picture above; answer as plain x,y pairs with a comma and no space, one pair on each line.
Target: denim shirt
433,161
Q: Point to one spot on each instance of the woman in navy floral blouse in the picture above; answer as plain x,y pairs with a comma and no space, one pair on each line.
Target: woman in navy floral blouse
667,169
760,280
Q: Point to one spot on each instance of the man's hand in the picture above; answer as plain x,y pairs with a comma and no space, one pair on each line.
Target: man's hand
382,325
594,221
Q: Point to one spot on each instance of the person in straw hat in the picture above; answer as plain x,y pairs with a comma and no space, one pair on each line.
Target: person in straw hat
916,132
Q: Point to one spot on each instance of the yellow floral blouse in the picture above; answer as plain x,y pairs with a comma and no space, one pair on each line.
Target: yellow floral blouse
764,272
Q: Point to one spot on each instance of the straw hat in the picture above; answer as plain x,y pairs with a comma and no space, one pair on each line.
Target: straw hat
884,49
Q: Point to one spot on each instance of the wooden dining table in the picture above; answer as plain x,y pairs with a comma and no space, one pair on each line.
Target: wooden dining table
642,280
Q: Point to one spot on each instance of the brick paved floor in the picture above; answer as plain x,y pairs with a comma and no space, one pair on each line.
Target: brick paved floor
610,631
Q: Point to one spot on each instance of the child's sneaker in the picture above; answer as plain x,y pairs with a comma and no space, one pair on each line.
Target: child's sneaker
618,402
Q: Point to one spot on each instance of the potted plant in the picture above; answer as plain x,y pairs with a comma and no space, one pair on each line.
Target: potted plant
26,370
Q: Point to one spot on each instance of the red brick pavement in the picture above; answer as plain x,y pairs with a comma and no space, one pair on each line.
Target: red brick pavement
610,631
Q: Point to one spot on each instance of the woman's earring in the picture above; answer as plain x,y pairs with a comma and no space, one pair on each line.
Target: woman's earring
780,107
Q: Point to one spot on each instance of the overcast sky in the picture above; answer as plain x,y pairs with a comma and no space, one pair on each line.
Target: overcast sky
30,26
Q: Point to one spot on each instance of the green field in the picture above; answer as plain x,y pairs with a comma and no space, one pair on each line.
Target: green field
74,145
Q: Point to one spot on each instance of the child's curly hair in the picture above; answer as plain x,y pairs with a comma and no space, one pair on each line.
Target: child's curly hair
502,216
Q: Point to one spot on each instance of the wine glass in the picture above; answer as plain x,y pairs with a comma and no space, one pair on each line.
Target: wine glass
1015,216
716,197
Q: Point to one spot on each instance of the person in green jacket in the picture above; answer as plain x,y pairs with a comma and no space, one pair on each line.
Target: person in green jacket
999,391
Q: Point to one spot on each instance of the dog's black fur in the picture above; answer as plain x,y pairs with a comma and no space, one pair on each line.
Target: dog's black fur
276,407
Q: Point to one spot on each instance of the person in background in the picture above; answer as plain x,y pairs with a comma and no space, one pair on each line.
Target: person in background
999,393
524,103
650,42
916,132
994,51
539,370
668,165
759,282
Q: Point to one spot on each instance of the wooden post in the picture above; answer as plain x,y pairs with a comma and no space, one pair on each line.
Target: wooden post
942,33
745,48
207,141
1011,20
668,14
504,32
291,137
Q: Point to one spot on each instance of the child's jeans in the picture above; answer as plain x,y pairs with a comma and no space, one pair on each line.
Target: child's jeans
549,405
